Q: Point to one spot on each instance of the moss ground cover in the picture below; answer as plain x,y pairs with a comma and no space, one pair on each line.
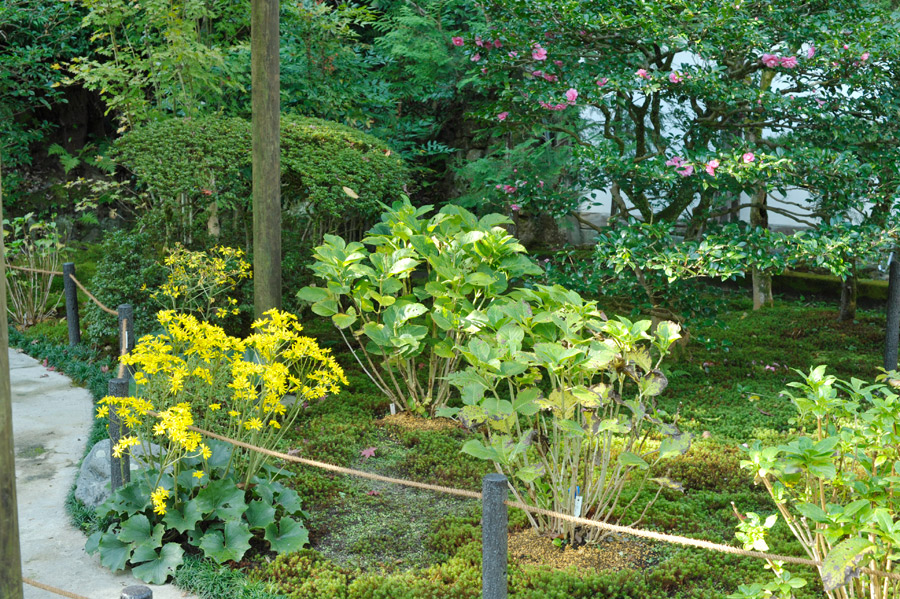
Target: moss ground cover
370,540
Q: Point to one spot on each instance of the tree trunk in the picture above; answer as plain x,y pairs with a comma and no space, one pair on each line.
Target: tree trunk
266,149
10,554
762,281
848,295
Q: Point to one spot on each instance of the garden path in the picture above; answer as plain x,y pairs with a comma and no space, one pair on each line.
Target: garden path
51,421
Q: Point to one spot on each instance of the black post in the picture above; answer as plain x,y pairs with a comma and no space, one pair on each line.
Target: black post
136,591
119,468
892,327
494,530
71,293
126,313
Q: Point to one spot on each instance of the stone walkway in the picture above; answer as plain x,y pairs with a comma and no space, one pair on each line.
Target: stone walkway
51,421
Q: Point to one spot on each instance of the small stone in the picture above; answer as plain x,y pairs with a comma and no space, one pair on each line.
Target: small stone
92,486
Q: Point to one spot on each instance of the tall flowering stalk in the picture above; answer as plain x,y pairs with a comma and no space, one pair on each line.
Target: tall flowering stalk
199,282
249,389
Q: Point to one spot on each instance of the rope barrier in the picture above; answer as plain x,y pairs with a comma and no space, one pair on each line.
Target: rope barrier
93,299
51,589
37,270
647,534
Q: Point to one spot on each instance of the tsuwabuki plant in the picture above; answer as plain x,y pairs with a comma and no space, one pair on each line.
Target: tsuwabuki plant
405,305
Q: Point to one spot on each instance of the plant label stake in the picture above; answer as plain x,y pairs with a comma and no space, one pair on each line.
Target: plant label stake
393,409
579,500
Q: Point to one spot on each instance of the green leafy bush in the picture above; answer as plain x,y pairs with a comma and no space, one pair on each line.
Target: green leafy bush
35,245
835,486
127,272
409,302
565,403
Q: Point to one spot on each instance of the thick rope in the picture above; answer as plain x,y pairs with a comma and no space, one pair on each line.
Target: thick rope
91,296
51,589
647,534
37,270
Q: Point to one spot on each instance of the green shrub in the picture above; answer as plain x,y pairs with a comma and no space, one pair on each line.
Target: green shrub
127,273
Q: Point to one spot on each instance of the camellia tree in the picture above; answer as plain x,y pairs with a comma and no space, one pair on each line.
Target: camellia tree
681,109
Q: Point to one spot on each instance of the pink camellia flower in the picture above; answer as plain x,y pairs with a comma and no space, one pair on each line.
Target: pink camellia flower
711,167
537,73
475,57
499,186
558,63
538,53
457,41
602,82
509,188
515,207
820,102
551,78
789,62
479,42
770,60
642,73
498,44
571,95
864,57
513,54
748,157
541,184
687,171
502,116
484,71
846,47
675,77
675,161
811,52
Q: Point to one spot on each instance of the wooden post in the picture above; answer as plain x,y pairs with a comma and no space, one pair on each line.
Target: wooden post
892,326
494,532
266,154
71,294
10,553
119,468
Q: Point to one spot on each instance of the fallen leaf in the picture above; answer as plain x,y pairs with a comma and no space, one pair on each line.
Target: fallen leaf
368,452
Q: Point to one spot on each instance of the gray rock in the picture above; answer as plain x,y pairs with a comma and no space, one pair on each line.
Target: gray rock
92,486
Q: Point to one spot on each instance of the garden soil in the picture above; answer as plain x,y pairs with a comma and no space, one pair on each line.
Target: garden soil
51,421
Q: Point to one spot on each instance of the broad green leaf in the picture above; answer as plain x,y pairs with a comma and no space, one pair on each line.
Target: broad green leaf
114,554
158,565
230,546
286,536
342,321
403,265
626,458
841,564
474,448
325,307
812,511
135,530
313,294
184,518
260,514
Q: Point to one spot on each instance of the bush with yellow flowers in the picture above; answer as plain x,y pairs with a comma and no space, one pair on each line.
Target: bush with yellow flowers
209,494
200,282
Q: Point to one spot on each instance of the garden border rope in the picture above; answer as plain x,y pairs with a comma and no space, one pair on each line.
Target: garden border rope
52,589
76,281
647,534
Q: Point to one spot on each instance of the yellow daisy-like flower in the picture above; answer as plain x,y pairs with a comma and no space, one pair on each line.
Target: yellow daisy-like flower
254,424
274,424
198,474
234,413
205,451
158,497
214,406
102,411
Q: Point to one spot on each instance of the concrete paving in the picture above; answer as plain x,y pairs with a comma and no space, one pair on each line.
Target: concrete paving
51,421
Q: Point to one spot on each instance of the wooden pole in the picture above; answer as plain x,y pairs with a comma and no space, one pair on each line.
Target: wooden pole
266,154
10,553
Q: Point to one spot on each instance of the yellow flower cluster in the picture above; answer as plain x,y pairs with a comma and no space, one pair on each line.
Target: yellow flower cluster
195,280
174,423
158,497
